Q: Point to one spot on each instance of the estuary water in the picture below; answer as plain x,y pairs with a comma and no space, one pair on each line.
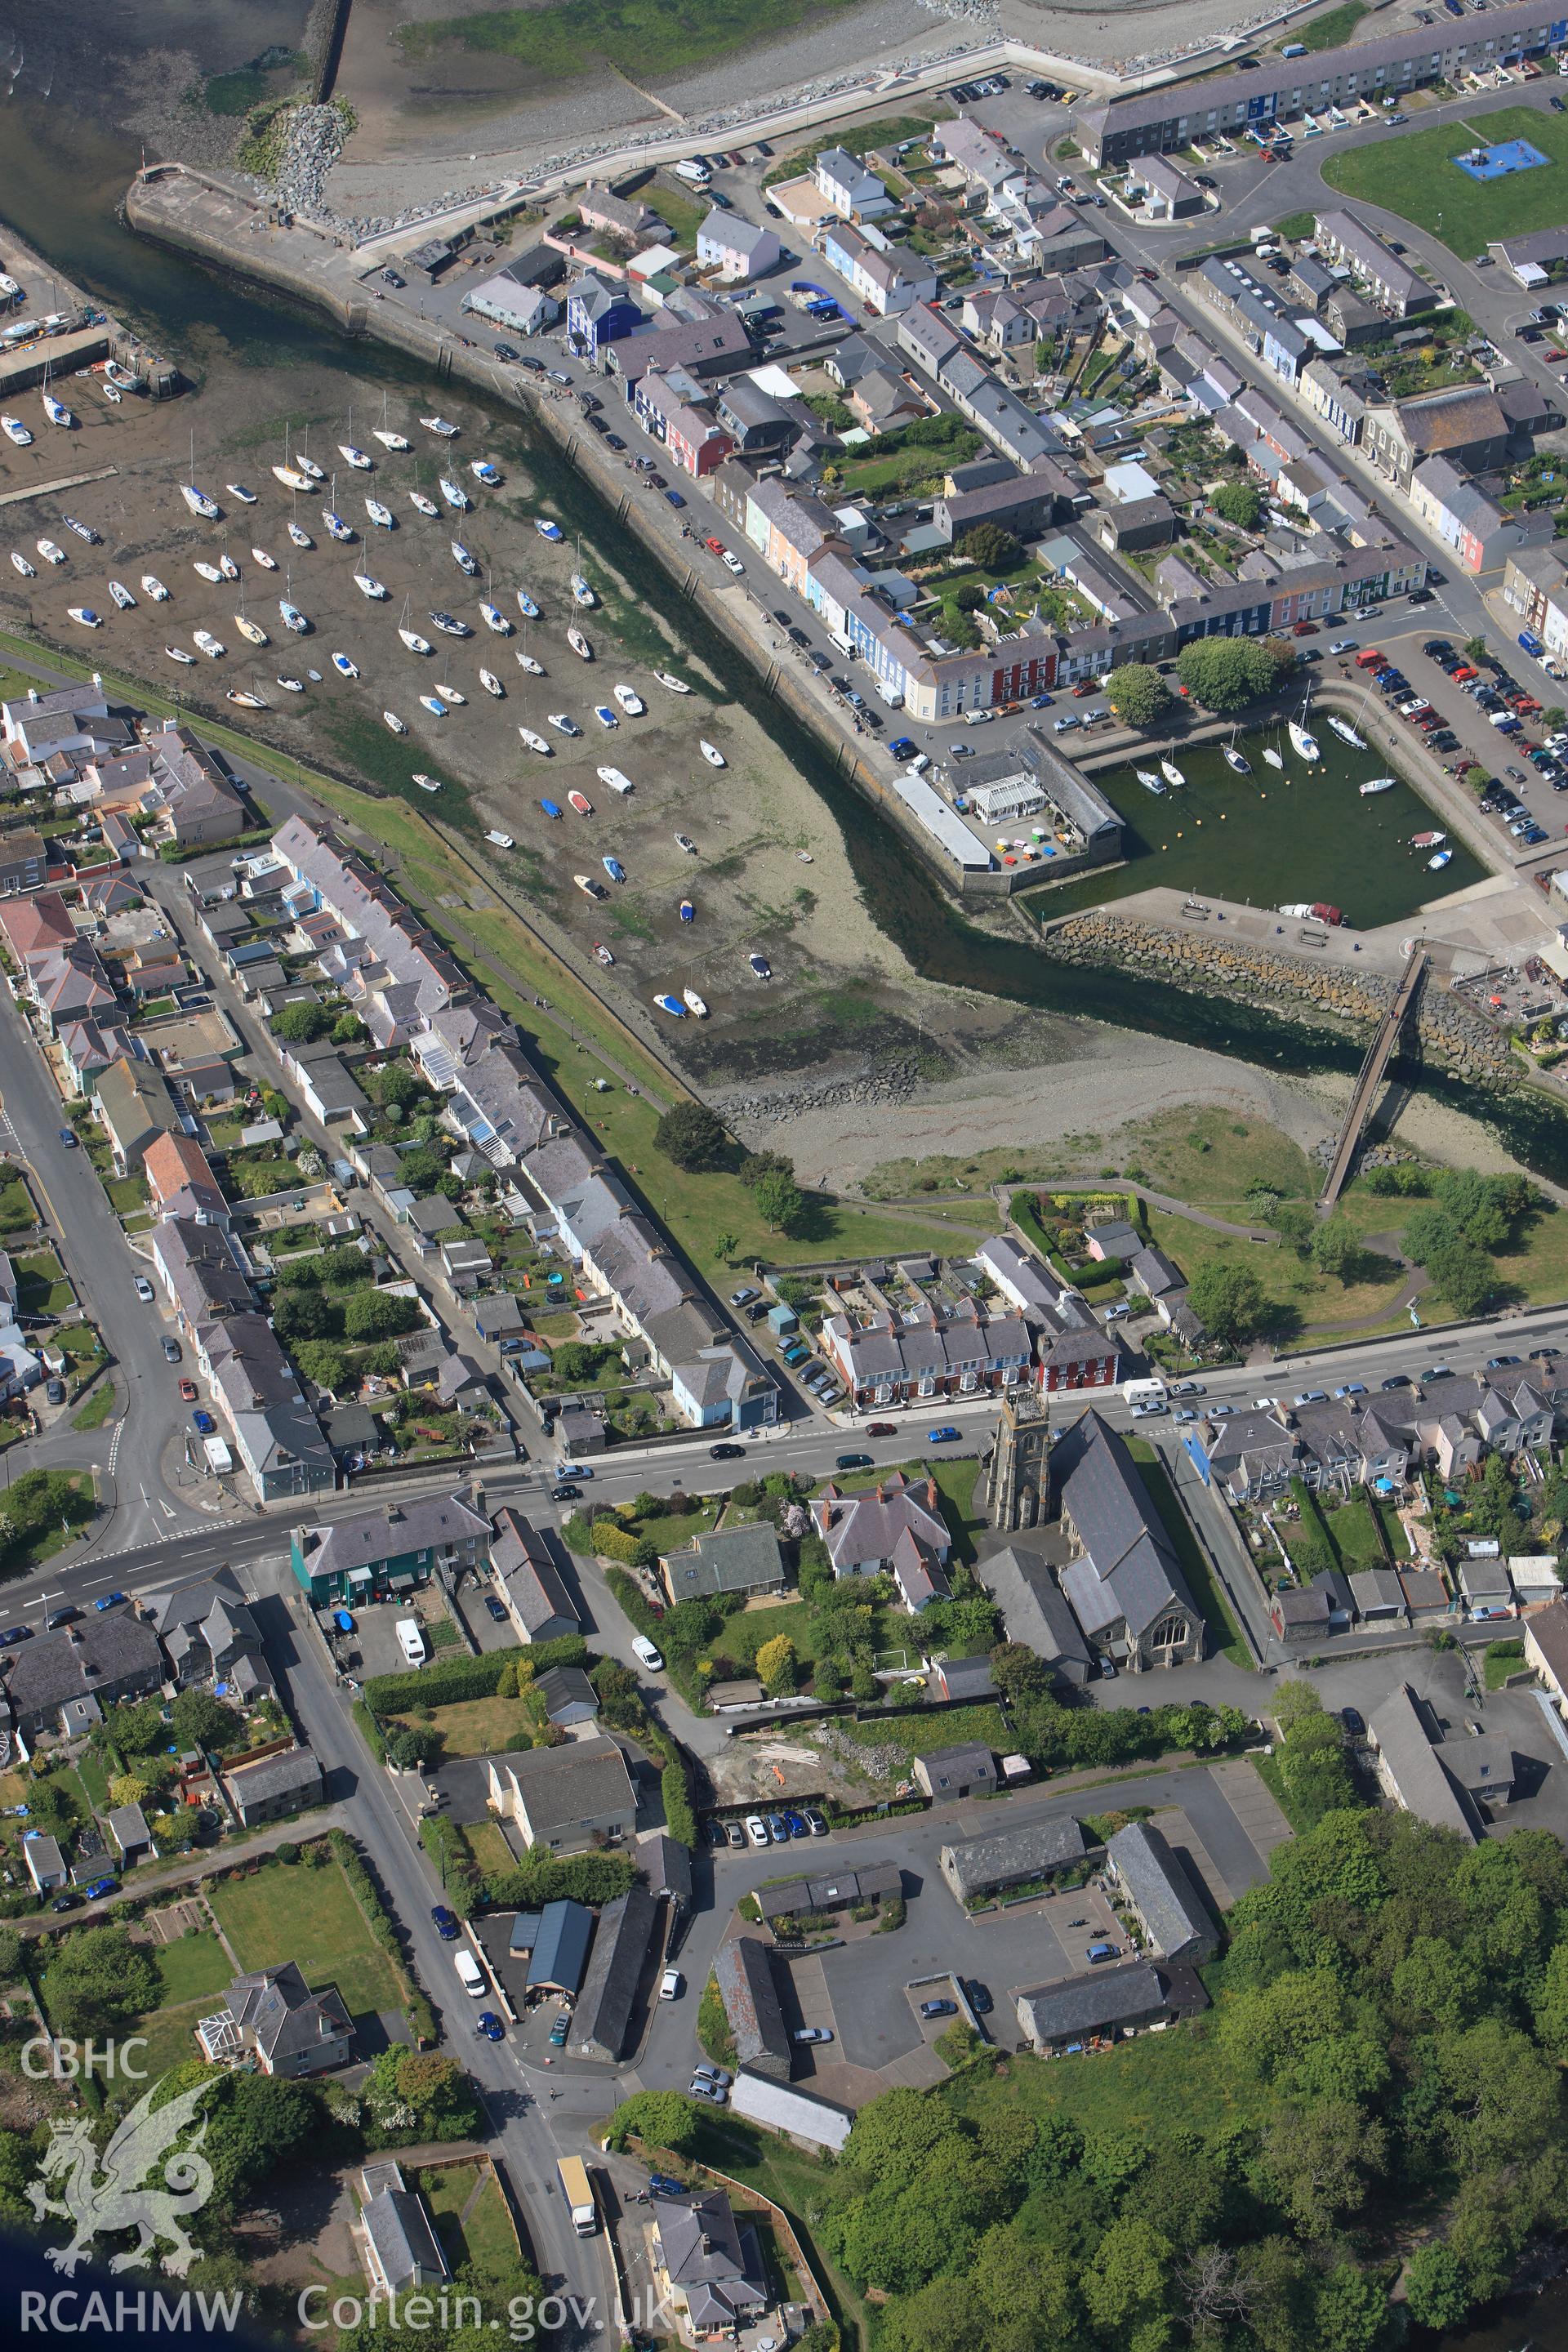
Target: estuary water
61,179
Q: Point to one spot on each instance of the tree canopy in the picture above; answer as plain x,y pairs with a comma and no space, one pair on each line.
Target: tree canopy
693,1136
1241,503
1376,2085
1226,673
1137,693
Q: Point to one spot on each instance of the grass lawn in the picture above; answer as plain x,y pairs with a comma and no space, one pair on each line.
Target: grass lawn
1305,1297
919,1734
1415,177
1202,1583
649,39
193,1973
98,1408
17,1210
127,1194
669,1533
486,1842
93,1779
1353,1531
955,1483
886,133
1161,2084
1210,1159
874,473
1500,1660
79,1341
479,1727
41,1285
1327,32
486,2238
311,1917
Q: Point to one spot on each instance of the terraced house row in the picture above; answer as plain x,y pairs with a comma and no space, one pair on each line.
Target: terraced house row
554,1174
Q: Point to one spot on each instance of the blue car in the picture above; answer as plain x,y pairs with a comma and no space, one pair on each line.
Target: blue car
202,1422
797,1825
490,2026
111,1601
101,1886
675,497
943,1436
446,1923
68,1136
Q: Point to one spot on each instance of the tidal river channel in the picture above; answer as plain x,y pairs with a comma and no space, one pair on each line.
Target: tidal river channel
60,180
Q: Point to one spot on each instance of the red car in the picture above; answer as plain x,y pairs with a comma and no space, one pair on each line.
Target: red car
714,546
188,1391
1555,352
1305,629
1086,685
1464,673
881,1429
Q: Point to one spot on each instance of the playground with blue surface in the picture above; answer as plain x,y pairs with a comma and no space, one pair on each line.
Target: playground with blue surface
1497,162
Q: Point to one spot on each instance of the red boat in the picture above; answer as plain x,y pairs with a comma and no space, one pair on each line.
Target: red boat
1324,913
581,802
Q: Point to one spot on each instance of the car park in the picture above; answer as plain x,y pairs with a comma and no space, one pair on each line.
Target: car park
733,1833
978,1997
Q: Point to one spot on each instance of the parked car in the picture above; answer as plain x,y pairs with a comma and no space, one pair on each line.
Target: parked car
100,1888
202,1422
111,1601
495,1608
714,2093
812,2034
757,1830
447,1922
59,1617
171,1349
733,1833
669,1985
853,1461
489,2025
68,1136
558,2031
646,1654
938,2008
979,1997
726,1451
143,1290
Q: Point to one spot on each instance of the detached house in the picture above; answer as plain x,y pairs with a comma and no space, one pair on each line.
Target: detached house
896,1528
272,2020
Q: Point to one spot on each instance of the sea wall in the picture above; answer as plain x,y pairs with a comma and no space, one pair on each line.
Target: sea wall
1451,1035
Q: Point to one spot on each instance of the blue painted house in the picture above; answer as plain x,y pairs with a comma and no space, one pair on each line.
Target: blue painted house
599,313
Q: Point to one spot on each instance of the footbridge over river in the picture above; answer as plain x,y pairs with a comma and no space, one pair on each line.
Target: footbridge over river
1371,1078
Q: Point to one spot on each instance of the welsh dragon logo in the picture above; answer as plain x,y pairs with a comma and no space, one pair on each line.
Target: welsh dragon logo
106,2192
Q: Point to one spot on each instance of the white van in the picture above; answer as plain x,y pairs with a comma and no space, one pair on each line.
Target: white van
470,1975
411,1640
695,174
643,1649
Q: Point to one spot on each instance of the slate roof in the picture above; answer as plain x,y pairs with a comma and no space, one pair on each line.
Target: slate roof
726,1560
1129,1570
407,2249
602,2019
276,2008
743,1967
716,2266
1162,1890
1088,2003
425,1523
1035,1611
1006,1856
1411,1759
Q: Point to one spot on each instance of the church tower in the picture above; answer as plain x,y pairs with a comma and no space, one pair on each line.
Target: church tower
1015,1489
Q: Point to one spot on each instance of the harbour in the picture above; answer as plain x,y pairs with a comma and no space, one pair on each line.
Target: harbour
922,956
